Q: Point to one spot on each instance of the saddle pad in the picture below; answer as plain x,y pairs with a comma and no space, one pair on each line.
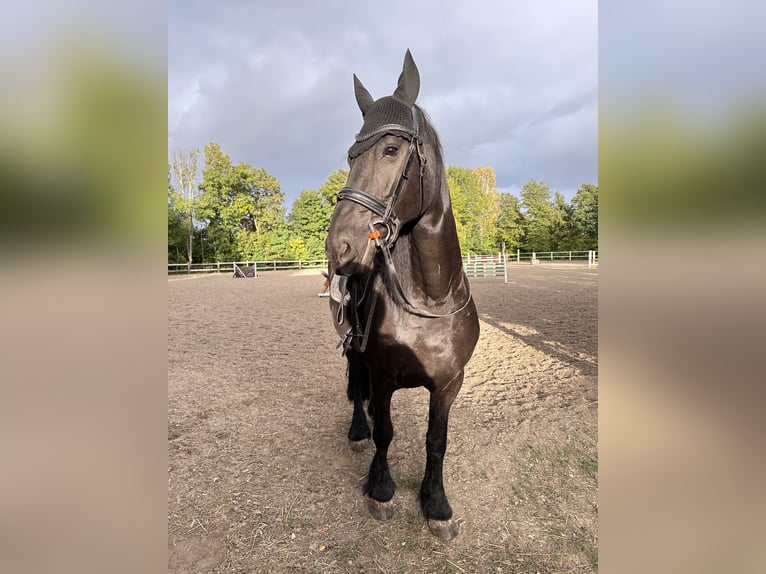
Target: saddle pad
339,289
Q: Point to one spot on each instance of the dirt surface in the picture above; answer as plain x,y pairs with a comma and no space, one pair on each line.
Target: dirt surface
260,474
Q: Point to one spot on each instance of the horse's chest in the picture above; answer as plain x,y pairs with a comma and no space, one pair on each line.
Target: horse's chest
417,349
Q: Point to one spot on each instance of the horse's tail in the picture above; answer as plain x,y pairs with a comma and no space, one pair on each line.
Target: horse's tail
358,377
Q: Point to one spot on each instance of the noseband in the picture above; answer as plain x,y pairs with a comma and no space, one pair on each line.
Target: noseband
389,219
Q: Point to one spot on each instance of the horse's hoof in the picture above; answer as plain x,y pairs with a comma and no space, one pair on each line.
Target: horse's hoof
359,445
381,510
445,529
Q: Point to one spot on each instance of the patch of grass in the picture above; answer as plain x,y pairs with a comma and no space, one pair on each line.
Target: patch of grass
556,481
412,518
579,542
409,483
292,520
590,467
524,562
344,554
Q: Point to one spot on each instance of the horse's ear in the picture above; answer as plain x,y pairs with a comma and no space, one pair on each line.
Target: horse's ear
409,82
363,97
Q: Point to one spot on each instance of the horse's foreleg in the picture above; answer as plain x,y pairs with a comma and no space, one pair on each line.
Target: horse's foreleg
358,392
433,500
380,486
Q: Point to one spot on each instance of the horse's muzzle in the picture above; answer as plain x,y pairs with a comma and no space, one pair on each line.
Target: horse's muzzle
340,252
349,256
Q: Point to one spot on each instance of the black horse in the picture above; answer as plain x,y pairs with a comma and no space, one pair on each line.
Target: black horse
399,296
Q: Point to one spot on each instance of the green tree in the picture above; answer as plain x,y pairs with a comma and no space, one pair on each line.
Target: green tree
564,230
309,220
330,188
488,213
509,223
538,216
276,243
242,206
464,188
585,216
184,168
299,250
475,204
215,194
178,226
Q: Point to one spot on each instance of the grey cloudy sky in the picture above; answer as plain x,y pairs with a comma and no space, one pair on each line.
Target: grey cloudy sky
511,84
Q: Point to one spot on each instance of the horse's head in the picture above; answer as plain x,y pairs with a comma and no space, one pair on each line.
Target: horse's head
384,189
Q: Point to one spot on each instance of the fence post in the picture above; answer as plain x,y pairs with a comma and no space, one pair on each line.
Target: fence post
518,255
218,264
570,255
505,267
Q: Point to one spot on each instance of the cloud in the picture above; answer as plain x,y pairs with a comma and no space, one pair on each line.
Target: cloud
507,85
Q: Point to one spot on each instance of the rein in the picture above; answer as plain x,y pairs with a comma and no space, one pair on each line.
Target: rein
403,299
391,223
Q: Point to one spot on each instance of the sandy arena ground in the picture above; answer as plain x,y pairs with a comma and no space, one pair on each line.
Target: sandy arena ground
260,474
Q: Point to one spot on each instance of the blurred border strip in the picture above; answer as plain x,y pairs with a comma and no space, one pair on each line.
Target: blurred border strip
83,177
682,311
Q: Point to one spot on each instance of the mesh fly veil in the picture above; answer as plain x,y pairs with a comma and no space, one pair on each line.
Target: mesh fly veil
386,116
390,114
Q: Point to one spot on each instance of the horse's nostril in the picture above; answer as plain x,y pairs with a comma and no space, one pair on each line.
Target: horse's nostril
344,252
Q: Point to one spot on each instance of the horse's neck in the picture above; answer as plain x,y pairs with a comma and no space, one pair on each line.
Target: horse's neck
432,260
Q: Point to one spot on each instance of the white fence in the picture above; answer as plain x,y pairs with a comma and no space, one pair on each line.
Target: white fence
553,256
486,265
475,265
228,266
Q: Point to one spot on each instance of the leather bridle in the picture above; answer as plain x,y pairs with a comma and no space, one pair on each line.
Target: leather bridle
390,222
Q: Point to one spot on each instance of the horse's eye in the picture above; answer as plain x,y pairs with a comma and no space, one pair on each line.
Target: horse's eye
391,150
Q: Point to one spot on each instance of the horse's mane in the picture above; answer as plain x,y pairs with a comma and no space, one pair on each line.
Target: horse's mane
433,151
432,145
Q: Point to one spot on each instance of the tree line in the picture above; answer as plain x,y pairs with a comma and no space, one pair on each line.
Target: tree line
236,212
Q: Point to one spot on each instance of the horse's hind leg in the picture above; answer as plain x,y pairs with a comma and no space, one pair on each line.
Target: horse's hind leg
433,500
358,392
380,487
